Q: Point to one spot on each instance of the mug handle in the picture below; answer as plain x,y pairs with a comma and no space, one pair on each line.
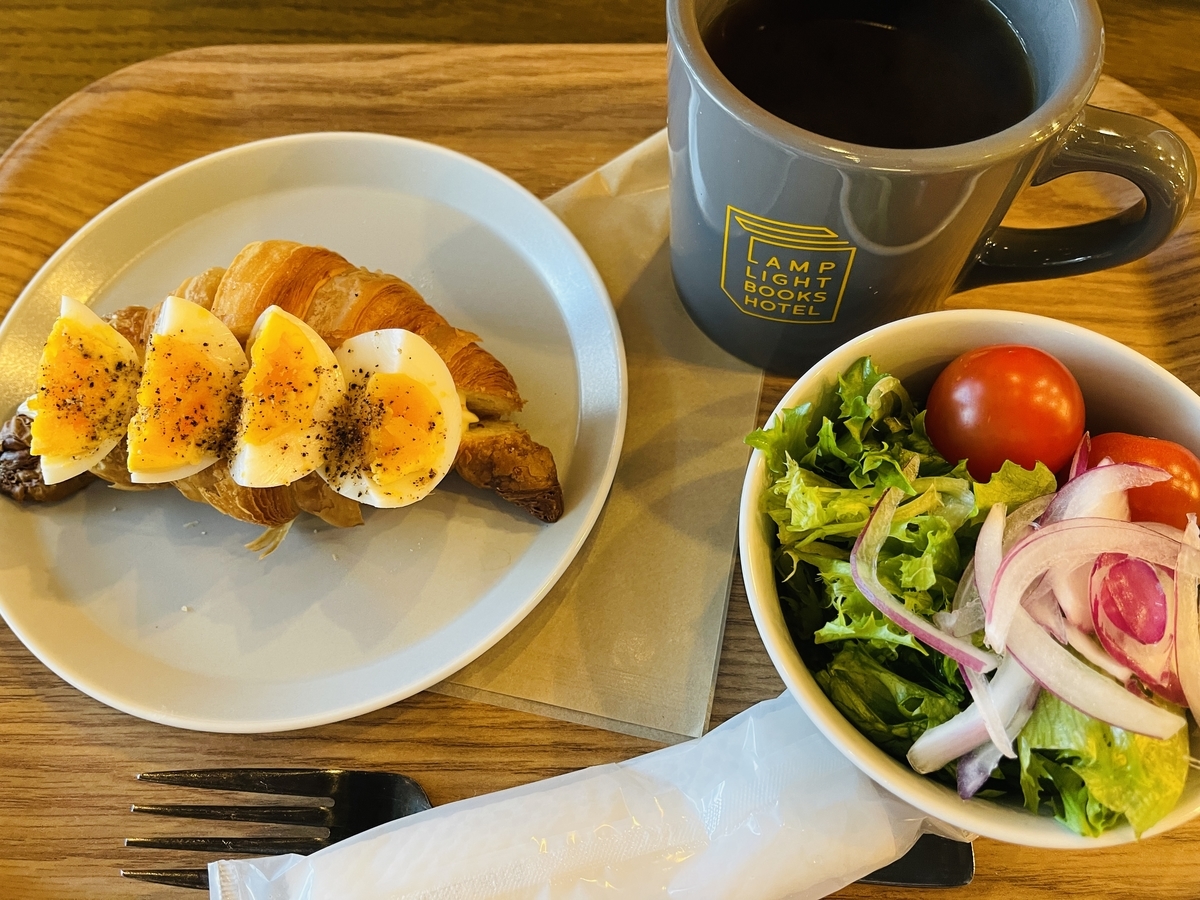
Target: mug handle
1154,158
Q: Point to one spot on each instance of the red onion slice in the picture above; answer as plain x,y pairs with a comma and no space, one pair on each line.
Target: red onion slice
1066,545
1100,492
1079,685
1079,459
1024,519
966,610
1019,523
1163,528
864,559
966,731
1043,606
1071,590
964,621
981,693
989,552
1187,635
1085,645
966,592
976,767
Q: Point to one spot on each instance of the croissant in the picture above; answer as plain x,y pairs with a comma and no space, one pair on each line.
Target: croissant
339,300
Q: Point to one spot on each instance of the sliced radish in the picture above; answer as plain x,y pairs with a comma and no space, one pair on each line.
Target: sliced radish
1135,620
1132,595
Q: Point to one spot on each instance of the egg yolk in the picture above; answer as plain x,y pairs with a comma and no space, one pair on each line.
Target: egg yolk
185,406
406,429
282,386
85,391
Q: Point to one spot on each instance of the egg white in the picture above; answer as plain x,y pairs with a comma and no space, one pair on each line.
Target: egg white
213,340
57,467
298,448
391,351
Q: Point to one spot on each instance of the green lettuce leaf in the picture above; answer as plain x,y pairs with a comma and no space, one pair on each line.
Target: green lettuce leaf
854,616
1068,796
1092,774
785,435
1013,486
932,463
891,710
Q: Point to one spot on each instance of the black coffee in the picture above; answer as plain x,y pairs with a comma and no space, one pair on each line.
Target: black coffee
885,73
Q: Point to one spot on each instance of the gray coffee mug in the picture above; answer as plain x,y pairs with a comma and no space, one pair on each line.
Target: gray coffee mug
785,244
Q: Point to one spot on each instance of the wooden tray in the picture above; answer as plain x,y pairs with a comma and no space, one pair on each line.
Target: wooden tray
545,115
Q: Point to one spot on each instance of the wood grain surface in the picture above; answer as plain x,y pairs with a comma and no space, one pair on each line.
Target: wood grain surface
50,50
544,115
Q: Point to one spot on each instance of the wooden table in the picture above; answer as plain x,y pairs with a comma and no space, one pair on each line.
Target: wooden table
48,51
66,762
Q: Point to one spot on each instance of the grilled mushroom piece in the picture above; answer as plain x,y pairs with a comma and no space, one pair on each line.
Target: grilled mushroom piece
500,456
21,472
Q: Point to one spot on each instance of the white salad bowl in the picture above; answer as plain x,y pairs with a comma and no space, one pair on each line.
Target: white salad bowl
1123,391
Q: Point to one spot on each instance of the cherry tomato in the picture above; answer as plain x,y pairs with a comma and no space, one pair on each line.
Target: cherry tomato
1167,501
1005,402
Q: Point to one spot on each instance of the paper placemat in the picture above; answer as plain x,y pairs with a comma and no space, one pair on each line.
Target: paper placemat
630,636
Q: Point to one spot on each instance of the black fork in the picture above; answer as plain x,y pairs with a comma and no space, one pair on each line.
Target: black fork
359,801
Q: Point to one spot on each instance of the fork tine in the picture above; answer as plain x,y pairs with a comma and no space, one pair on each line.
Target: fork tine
319,816
297,782
264,846
189,878
360,800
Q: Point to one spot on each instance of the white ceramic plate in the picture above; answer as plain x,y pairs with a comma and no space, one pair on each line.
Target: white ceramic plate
149,603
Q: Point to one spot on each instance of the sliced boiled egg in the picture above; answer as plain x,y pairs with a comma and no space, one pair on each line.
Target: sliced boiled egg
188,395
399,433
86,386
289,397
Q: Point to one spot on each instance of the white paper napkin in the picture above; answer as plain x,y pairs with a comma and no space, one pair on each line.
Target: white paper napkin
595,650
760,808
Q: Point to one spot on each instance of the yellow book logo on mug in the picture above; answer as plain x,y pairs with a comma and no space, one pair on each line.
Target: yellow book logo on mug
781,271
